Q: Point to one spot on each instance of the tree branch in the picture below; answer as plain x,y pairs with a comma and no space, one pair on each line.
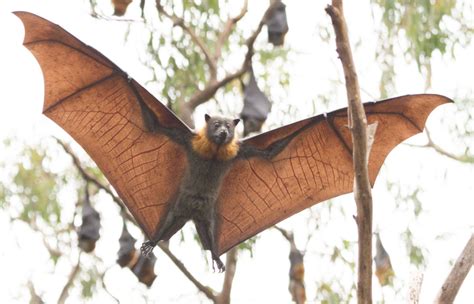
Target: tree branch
65,291
460,158
358,125
228,27
461,268
230,268
212,86
210,294
34,297
105,286
178,21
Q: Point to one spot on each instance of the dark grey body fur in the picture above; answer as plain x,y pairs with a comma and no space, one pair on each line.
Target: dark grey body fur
200,186
201,182
197,194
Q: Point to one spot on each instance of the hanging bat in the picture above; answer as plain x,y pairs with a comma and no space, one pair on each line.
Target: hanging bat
144,269
277,24
167,174
383,266
256,106
127,254
120,6
88,232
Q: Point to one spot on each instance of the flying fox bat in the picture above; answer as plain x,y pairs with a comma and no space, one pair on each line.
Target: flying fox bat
167,174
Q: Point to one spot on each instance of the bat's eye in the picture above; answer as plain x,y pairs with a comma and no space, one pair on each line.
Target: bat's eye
227,126
216,124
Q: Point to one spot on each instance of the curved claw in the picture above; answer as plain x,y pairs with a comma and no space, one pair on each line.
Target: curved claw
220,265
147,248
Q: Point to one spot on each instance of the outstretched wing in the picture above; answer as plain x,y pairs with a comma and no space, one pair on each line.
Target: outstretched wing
97,104
316,165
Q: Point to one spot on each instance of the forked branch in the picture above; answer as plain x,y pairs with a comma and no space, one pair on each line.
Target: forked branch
228,27
212,86
178,21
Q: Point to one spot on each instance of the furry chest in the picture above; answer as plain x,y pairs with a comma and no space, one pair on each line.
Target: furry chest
203,176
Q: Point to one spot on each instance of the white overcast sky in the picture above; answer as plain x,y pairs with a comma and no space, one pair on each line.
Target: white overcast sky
449,202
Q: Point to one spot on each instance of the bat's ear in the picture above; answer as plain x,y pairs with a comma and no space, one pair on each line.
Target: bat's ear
236,121
207,117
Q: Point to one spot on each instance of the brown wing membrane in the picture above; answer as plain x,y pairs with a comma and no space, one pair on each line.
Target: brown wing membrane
92,99
315,166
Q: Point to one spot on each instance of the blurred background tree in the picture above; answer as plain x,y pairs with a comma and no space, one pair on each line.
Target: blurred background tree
195,56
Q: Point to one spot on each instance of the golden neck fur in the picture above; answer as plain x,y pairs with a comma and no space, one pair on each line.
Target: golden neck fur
209,150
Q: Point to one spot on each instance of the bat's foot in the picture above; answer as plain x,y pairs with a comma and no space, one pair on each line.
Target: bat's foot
147,248
220,265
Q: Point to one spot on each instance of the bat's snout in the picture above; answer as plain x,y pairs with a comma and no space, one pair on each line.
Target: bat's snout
222,136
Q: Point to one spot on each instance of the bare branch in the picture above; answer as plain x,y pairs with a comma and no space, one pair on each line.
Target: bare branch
460,158
178,21
105,286
456,277
230,268
431,144
35,298
228,27
55,252
212,86
204,289
72,275
358,126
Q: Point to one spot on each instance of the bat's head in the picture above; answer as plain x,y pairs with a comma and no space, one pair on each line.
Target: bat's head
219,130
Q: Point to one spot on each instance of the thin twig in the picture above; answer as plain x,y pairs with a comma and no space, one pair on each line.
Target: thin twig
72,275
431,144
178,21
34,226
34,297
105,286
228,27
460,158
204,289
456,277
358,126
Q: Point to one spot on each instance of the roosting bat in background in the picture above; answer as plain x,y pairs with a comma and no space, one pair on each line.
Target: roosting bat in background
88,232
277,24
256,106
166,174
